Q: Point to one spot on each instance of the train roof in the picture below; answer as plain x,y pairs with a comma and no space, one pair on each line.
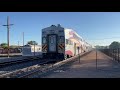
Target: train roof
74,32
69,29
84,41
53,26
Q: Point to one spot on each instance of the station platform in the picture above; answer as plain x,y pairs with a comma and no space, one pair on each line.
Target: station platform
89,67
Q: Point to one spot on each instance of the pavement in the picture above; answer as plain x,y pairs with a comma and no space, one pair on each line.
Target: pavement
88,67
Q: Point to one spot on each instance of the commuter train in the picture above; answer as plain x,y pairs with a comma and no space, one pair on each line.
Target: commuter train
59,42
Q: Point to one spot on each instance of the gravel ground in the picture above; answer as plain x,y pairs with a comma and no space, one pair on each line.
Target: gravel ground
18,66
106,68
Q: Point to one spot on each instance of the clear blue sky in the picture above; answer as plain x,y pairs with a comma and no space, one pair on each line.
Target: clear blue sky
98,28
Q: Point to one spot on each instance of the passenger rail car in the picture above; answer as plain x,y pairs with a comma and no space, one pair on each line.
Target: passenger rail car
58,42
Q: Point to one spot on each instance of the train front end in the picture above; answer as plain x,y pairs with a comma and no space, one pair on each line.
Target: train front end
53,42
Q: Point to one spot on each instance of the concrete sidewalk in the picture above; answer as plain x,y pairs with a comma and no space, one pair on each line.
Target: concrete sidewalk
106,68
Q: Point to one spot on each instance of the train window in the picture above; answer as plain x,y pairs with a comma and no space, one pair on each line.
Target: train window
81,40
60,40
44,40
71,43
52,40
66,41
43,32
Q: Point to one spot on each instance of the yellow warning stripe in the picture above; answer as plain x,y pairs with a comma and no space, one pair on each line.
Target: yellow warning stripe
61,46
44,47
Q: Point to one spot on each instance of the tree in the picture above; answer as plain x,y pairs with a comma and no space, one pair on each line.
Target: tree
101,47
4,45
13,46
114,45
32,43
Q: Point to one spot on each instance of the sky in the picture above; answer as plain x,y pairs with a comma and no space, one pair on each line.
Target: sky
97,28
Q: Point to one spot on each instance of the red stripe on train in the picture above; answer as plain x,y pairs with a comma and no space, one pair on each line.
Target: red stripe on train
68,52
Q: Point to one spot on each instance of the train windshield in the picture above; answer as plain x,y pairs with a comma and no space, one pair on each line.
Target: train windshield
61,40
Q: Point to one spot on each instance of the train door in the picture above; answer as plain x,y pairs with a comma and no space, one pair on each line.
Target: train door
52,43
74,48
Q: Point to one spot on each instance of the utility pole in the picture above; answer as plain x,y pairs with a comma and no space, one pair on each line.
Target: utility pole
18,44
8,27
23,38
34,48
118,53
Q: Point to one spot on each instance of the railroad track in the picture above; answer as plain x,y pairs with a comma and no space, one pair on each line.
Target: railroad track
19,61
38,69
22,72
13,67
9,67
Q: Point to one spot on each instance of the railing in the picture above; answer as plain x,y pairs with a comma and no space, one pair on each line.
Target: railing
114,53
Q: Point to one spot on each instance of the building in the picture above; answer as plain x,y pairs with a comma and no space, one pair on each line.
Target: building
31,50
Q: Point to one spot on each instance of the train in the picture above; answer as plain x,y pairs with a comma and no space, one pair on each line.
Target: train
11,50
62,43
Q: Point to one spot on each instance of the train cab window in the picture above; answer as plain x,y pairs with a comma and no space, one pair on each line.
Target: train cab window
61,39
44,40
61,31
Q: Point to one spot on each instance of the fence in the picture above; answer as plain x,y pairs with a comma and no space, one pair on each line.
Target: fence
5,51
114,53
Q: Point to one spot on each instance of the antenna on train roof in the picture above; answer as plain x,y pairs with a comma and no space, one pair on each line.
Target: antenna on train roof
59,25
53,25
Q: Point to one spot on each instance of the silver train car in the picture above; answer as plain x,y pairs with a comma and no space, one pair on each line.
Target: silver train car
62,43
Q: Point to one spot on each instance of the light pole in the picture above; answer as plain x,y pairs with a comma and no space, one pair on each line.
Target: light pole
8,26
18,44
96,58
78,53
